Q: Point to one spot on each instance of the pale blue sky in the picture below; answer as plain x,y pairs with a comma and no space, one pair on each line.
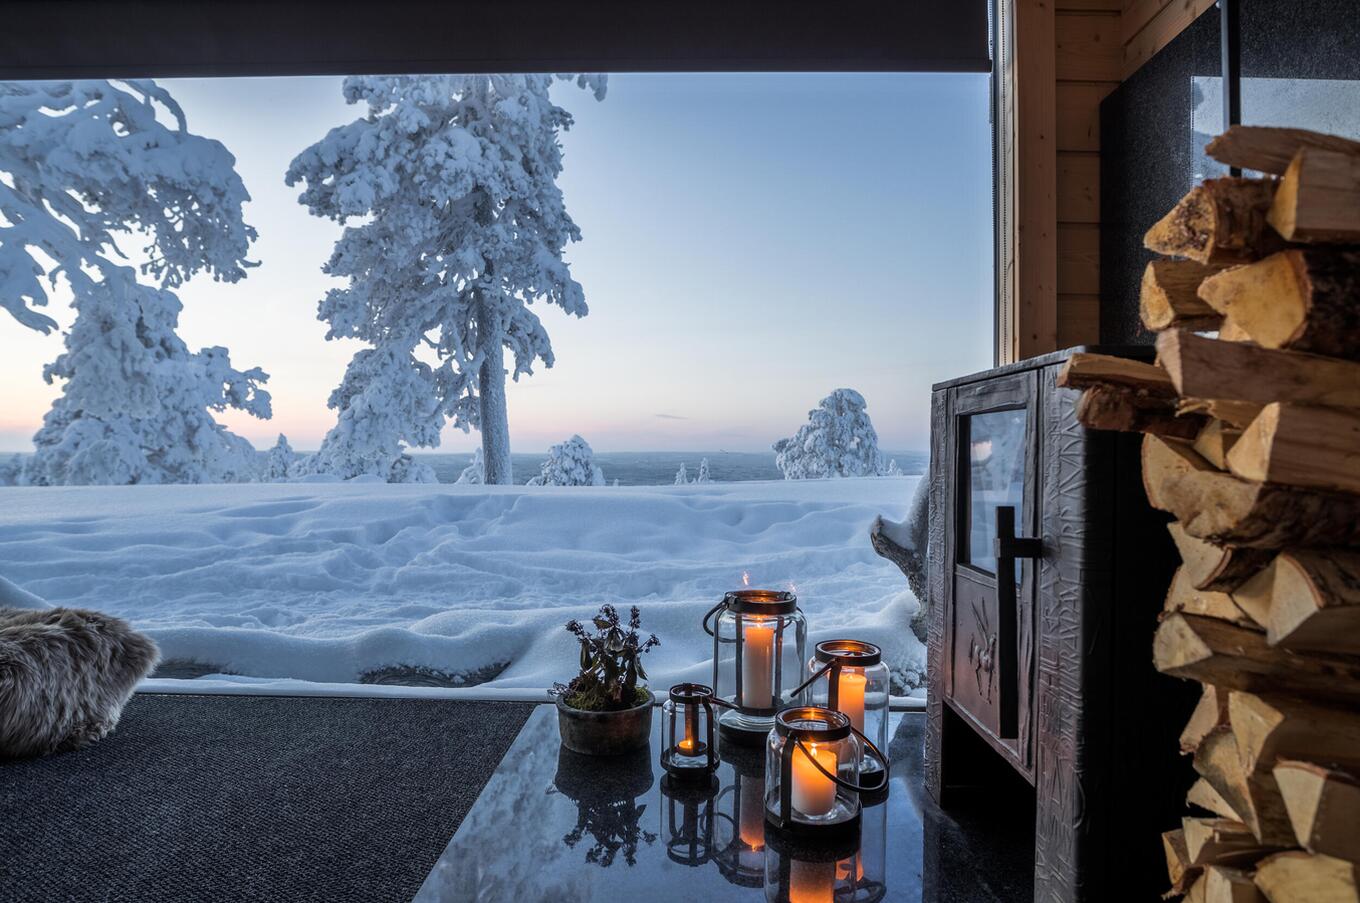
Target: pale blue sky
751,242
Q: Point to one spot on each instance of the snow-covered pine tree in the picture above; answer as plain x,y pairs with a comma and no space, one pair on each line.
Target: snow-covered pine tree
475,473
81,164
682,476
570,463
454,180
838,440
12,471
279,463
703,471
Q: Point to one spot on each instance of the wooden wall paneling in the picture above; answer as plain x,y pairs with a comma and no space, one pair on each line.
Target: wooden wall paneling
1088,47
1078,319
1078,187
1079,114
1079,258
1036,213
1170,20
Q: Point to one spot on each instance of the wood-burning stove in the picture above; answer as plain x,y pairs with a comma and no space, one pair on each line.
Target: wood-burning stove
1047,571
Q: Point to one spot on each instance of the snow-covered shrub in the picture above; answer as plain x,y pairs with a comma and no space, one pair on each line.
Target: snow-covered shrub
703,471
837,441
461,225
12,471
682,476
475,473
81,164
279,463
407,469
570,463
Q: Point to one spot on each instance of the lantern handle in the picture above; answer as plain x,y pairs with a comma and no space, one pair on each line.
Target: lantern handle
711,612
837,779
815,674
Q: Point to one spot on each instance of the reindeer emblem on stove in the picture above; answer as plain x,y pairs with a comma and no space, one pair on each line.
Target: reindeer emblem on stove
982,654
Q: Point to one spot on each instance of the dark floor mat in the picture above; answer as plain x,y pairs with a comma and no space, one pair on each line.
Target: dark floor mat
205,798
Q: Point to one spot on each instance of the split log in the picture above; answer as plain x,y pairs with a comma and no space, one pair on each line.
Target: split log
1298,877
1211,713
1217,652
1315,601
1230,331
1223,509
1301,446
1220,222
1210,368
1303,300
1254,595
1169,296
1214,442
1084,370
1203,795
1253,797
1178,868
1220,841
1269,148
1225,884
1324,808
1121,410
1183,597
1318,199
1236,414
1196,893
1219,568
1269,728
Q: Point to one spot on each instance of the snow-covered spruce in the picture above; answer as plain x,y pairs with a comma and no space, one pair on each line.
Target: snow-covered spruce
703,471
838,440
279,464
570,463
682,476
12,471
453,180
475,473
83,164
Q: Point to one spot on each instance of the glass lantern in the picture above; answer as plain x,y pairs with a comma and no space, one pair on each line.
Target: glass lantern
812,771
759,645
810,872
740,825
688,749
849,676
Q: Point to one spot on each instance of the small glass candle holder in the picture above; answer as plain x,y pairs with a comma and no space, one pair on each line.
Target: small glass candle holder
812,771
740,825
759,643
688,818
688,750
804,872
849,676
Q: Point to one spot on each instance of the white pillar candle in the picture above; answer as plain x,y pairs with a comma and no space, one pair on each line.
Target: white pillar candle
757,665
813,793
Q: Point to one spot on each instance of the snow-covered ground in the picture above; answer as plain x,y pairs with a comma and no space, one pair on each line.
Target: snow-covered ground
325,582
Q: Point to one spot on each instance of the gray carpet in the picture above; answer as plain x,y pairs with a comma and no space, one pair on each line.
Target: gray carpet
232,798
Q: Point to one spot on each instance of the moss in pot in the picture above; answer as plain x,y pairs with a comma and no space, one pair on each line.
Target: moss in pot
603,711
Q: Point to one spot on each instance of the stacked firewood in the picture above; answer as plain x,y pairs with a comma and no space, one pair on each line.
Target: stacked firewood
1252,443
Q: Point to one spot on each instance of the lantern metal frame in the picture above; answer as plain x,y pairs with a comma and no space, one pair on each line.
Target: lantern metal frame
694,700
784,853
739,861
815,724
749,607
832,657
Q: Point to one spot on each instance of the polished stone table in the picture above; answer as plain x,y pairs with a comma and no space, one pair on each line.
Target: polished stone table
552,825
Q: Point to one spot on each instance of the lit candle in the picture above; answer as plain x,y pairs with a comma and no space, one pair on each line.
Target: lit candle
688,745
811,882
757,665
850,696
752,826
813,793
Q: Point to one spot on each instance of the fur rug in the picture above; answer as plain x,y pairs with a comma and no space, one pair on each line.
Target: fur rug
65,674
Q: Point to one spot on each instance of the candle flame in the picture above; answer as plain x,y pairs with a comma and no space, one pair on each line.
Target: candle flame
745,578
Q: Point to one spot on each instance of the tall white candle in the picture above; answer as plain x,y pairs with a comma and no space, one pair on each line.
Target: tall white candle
813,793
850,697
757,665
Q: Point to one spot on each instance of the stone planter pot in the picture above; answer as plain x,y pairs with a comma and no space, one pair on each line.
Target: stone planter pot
605,733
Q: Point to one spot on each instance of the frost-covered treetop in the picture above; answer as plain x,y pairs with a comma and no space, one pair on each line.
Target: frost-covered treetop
81,161
455,178
570,463
838,440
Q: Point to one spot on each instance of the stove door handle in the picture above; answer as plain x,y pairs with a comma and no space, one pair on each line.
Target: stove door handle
1007,547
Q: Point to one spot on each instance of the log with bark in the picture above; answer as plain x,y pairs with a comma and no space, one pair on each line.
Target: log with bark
1315,601
1324,807
1300,299
1169,296
1301,445
1210,841
1184,597
1318,199
1253,797
1200,367
1210,713
1225,884
1212,567
1272,727
1220,222
1226,510
1122,410
1203,795
1215,440
1238,658
1271,149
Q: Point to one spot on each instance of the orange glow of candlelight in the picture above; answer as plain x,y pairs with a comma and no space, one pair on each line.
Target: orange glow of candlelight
812,882
850,696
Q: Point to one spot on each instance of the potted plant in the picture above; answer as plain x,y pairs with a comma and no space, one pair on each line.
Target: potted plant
603,711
